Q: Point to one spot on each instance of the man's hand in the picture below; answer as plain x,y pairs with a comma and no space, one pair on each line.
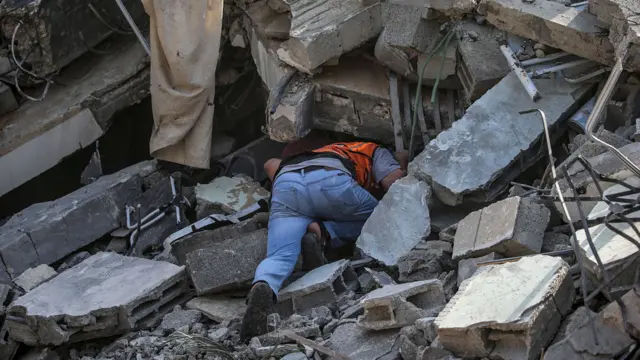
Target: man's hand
271,166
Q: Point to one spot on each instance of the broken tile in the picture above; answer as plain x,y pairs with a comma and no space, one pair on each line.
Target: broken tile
401,215
359,344
509,311
321,30
511,227
612,339
571,29
227,264
318,287
474,159
228,195
395,306
105,295
218,308
47,232
33,277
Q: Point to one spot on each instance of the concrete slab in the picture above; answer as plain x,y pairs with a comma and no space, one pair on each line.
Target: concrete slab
228,195
455,9
318,287
481,64
269,67
321,30
612,339
474,159
360,344
47,232
613,249
622,16
33,277
227,264
293,117
401,215
218,308
395,306
511,227
571,29
105,295
73,116
509,311
353,98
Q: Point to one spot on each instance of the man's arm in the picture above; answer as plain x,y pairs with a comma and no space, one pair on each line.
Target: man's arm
271,166
389,167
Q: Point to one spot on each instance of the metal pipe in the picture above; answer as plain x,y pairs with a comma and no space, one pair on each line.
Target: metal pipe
585,77
522,75
545,59
560,67
599,107
134,27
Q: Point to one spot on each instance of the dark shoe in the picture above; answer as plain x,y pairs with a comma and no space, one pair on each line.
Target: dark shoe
259,305
312,252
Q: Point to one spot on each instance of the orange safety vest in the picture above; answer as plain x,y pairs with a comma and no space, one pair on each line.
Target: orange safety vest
360,154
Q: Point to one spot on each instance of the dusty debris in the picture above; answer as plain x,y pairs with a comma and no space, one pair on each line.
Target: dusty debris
107,294
509,311
426,261
395,306
402,214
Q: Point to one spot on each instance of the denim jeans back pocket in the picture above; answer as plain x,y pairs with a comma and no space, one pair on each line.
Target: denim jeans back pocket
341,197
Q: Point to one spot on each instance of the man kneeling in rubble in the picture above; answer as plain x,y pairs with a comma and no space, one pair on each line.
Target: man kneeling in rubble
320,199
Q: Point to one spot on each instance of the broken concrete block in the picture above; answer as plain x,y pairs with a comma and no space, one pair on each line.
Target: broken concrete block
227,264
202,239
359,344
269,67
395,306
622,16
353,98
318,287
293,117
449,281
428,327
105,295
228,195
474,159
425,263
179,318
606,164
468,267
614,250
218,308
571,29
33,277
511,227
509,311
268,22
455,9
47,232
433,353
401,215
612,339
481,64
8,101
573,322
553,241
321,30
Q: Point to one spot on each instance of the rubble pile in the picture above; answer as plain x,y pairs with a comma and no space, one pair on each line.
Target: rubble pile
514,234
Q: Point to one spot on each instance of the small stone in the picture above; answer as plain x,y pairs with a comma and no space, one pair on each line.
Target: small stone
296,356
255,343
428,327
540,54
321,315
180,318
220,334
367,283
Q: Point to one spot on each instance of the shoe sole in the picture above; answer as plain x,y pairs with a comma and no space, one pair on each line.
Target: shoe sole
259,306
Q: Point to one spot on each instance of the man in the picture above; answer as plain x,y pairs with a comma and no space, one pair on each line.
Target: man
320,198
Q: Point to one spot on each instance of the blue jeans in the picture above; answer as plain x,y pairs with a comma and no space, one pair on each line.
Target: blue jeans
300,198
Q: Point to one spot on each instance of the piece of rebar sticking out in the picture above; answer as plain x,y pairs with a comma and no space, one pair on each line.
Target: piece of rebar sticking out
517,67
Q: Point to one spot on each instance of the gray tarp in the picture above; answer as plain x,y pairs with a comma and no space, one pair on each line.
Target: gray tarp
185,42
